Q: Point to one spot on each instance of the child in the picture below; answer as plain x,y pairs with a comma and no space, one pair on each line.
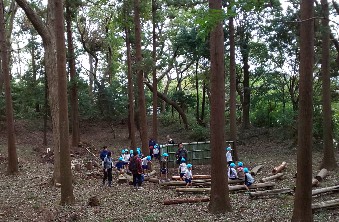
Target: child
182,168
249,180
126,157
240,171
144,162
108,163
120,165
163,166
188,175
229,155
156,151
232,173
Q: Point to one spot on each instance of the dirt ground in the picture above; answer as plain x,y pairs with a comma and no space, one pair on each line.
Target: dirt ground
28,196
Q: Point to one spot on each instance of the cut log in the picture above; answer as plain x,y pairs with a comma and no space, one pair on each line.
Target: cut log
273,177
256,169
231,188
186,200
326,204
325,190
150,175
196,183
153,180
280,168
271,192
122,179
197,177
315,182
321,175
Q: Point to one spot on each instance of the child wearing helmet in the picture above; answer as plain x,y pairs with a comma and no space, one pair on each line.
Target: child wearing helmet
156,151
144,163
229,155
240,171
188,176
164,167
120,165
126,156
182,168
232,173
249,180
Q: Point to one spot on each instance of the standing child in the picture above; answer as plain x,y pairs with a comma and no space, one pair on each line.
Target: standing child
126,158
249,180
232,173
108,164
182,168
229,155
188,175
240,171
120,165
163,167
145,162
156,151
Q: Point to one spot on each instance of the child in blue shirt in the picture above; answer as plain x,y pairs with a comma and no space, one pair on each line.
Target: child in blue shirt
249,180
120,165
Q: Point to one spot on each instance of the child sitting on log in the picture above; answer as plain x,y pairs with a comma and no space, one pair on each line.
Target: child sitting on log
240,171
163,167
232,173
188,175
120,165
249,180
182,168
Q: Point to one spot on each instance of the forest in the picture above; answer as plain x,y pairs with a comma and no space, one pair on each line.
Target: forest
255,78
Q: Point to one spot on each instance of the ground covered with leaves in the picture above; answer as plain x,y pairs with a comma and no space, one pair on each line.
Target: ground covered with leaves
28,196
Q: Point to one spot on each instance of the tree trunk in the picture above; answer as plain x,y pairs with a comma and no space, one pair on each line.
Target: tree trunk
329,157
130,90
45,112
203,102
233,91
197,90
154,73
73,78
67,196
140,75
303,195
91,75
12,154
220,200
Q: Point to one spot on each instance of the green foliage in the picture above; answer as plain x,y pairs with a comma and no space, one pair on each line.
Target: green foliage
167,119
199,133
184,99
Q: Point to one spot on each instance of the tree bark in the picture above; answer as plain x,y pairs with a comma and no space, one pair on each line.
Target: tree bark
67,196
233,91
329,157
220,200
303,195
73,78
140,75
11,146
154,73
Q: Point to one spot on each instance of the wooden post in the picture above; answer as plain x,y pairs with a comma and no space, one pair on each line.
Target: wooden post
321,175
280,168
273,177
187,200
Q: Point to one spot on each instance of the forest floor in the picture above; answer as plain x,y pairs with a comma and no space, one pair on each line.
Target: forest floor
28,196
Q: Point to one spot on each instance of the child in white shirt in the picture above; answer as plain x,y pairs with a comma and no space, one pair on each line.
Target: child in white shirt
182,168
229,155
232,173
144,164
188,175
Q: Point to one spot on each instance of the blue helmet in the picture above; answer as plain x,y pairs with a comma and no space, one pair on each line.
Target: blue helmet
126,150
232,165
138,151
165,154
131,151
228,148
138,148
121,159
123,151
156,146
183,159
246,170
189,165
148,157
240,164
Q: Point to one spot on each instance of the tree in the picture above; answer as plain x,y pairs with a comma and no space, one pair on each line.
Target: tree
65,157
219,197
303,194
140,78
12,154
328,161
154,71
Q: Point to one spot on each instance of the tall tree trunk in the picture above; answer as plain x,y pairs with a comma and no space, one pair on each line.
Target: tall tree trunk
329,161
73,78
303,194
233,90
220,201
130,90
91,75
163,108
197,90
67,196
203,102
12,154
154,72
48,39
45,112
140,75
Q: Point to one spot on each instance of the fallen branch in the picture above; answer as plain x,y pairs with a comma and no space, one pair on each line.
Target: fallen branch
256,169
271,192
325,190
280,168
187,200
195,177
321,175
326,204
196,182
273,177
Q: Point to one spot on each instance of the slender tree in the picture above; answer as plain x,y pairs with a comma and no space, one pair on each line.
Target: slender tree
12,154
140,75
328,161
303,195
65,158
219,198
154,71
